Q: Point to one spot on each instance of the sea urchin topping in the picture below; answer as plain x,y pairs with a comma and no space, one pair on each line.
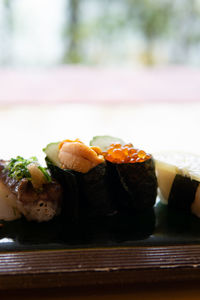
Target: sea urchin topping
125,154
77,156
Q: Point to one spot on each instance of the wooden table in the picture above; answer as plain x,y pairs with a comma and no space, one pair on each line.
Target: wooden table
189,291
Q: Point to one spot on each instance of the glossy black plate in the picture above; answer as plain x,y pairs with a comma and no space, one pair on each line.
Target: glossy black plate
158,226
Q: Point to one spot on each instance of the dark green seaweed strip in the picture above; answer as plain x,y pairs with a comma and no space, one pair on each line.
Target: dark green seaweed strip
182,193
140,182
68,181
95,198
85,195
117,192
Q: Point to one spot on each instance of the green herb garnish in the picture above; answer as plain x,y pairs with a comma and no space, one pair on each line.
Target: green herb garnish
45,173
17,168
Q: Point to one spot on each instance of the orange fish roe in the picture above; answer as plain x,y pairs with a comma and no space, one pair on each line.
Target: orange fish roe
125,154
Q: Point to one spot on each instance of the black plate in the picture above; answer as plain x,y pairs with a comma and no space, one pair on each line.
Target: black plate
156,227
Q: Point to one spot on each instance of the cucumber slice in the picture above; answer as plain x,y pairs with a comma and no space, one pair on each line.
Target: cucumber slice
51,152
104,141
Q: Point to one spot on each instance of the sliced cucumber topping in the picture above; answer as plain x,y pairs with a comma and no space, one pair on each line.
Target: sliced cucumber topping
104,141
51,152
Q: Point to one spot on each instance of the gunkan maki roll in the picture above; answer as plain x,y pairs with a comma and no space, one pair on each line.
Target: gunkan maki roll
179,180
81,170
131,174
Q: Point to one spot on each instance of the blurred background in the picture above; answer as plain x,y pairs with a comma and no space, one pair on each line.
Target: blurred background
92,32
79,68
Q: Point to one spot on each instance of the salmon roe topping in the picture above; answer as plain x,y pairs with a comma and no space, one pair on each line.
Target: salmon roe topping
125,154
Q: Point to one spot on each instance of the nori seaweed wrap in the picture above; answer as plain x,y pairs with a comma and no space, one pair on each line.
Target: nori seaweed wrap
82,172
131,174
140,182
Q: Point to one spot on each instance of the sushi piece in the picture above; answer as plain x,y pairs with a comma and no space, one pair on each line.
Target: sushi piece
131,175
81,170
179,180
27,189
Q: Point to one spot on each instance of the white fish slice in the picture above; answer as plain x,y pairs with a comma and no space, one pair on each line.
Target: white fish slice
172,167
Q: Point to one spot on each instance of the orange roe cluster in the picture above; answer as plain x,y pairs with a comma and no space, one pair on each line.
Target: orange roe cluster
125,154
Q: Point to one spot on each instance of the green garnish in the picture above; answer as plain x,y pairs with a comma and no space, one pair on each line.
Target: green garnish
17,168
45,173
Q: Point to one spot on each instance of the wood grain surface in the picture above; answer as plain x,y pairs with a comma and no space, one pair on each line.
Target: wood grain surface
91,267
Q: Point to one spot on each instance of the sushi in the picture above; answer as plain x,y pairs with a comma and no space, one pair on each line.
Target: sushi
81,170
179,181
26,189
131,174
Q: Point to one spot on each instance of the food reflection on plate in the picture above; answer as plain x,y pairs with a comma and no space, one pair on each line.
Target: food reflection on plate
57,233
